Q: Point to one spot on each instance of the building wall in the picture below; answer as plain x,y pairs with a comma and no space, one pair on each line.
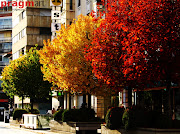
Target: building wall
5,38
18,102
55,103
34,33
31,25
67,13
84,8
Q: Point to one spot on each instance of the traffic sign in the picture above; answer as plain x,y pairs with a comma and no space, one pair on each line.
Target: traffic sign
55,27
55,15
56,2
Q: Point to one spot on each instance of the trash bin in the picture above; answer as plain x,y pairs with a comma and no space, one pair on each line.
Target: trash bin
6,116
1,113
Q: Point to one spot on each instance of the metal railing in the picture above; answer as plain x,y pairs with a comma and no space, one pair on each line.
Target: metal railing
3,63
5,50
5,27
4,11
5,40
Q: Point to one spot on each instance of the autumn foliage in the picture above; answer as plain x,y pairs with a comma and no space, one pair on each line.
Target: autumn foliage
63,58
137,41
8,76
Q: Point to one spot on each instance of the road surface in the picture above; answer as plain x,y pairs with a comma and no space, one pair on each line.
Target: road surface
5,128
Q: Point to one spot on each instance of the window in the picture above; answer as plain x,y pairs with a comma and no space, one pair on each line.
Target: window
7,45
22,51
16,55
12,40
45,31
5,22
64,4
45,12
16,21
23,14
79,3
5,59
20,35
71,7
23,33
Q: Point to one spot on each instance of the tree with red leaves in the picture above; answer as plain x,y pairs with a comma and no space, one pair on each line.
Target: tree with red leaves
137,42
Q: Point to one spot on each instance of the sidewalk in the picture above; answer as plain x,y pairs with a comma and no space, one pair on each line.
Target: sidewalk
2,124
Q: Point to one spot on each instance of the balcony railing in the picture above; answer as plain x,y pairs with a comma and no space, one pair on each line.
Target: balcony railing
5,12
3,63
5,40
5,50
5,27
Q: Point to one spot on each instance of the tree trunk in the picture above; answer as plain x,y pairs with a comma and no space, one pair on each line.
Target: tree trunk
22,101
129,96
138,97
167,104
32,103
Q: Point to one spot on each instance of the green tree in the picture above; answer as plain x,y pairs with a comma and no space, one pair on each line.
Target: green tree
23,77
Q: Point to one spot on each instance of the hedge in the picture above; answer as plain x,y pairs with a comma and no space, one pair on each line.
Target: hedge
114,117
58,115
17,114
78,115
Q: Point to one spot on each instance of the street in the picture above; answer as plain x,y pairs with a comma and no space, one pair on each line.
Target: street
5,128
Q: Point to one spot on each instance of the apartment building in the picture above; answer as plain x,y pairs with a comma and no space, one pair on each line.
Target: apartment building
5,35
31,25
5,46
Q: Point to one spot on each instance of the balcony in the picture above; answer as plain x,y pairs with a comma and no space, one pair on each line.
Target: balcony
3,63
3,40
5,13
5,27
37,39
38,21
5,50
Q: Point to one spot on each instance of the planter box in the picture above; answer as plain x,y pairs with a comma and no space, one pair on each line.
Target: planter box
74,127
105,130
30,121
35,121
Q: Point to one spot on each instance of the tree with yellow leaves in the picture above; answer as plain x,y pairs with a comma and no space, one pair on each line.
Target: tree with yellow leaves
63,58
